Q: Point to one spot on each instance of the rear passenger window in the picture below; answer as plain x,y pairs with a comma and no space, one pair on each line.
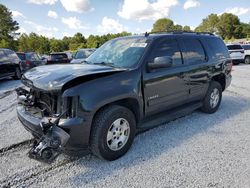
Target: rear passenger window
218,48
167,47
193,52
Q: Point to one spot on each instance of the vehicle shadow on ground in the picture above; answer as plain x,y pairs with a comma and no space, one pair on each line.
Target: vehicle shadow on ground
8,84
158,141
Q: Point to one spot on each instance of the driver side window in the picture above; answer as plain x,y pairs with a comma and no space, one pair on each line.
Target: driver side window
167,47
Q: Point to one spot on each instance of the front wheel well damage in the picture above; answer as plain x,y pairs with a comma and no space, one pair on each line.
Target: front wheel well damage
221,79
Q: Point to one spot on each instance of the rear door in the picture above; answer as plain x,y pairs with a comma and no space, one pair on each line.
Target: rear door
197,65
236,52
165,88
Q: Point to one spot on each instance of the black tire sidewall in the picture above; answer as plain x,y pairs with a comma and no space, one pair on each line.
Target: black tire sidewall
206,103
247,58
104,150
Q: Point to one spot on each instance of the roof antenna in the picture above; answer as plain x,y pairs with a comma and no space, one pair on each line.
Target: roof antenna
146,34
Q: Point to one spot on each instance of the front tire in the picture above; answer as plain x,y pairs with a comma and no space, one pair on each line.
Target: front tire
113,132
213,97
247,60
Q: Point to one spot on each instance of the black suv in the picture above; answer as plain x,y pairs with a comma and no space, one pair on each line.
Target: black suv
9,64
59,58
127,85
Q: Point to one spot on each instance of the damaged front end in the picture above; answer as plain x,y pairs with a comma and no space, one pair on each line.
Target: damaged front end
47,109
51,144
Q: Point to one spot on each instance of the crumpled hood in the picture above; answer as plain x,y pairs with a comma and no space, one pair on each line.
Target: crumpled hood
53,77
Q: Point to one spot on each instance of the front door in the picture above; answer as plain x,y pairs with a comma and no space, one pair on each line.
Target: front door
165,88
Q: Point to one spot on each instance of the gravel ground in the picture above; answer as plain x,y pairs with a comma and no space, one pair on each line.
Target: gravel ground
198,150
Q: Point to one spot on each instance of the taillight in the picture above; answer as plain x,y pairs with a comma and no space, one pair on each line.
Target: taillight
28,62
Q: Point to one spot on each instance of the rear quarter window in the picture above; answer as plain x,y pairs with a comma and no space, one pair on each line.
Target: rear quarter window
246,47
218,48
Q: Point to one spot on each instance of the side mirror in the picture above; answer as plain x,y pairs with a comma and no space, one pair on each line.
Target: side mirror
161,62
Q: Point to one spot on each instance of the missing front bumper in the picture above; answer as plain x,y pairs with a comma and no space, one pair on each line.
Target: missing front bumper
50,145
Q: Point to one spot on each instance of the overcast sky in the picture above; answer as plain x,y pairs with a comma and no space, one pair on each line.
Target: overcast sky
58,18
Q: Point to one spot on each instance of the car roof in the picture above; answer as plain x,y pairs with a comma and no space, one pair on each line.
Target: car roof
54,53
153,36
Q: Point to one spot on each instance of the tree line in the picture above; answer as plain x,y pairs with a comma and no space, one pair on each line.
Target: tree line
227,25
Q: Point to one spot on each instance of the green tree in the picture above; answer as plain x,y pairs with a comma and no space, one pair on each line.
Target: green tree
187,28
8,28
56,45
209,24
245,30
77,41
177,27
163,24
34,42
229,26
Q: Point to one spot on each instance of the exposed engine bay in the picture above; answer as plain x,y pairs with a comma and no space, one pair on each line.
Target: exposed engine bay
50,143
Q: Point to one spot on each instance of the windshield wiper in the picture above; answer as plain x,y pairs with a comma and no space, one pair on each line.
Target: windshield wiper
87,62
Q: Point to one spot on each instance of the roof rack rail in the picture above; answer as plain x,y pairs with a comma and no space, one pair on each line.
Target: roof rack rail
180,32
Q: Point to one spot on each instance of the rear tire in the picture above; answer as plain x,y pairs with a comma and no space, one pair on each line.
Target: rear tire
213,97
247,60
18,74
113,132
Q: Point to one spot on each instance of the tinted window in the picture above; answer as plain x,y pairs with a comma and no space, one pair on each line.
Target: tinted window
167,47
21,56
246,47
83,54
58,56
193,51
32,56
11,55
234,47
218,48
2,56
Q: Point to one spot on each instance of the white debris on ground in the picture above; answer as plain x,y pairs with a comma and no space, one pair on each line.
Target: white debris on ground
198,150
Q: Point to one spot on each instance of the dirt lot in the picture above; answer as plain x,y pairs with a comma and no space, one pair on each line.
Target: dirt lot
198,150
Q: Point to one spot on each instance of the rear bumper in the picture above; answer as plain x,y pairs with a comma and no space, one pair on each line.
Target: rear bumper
77,128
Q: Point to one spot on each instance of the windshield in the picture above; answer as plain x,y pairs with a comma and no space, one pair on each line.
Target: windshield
81,54
58,56
234,47
123,52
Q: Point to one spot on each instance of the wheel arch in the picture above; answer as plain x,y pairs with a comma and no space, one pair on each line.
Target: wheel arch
221,78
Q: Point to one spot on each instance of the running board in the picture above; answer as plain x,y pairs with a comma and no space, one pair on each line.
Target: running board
167,116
